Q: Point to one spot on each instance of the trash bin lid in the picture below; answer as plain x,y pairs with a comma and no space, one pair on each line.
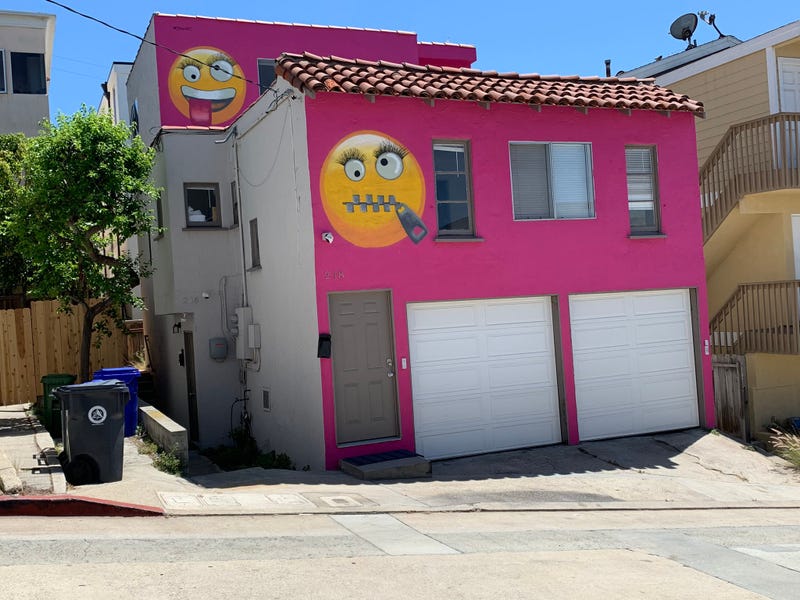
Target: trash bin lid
123,373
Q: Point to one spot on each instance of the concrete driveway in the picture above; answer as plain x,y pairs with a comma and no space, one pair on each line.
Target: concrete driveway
689,469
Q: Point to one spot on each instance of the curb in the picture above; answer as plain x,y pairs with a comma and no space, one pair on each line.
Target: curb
63,505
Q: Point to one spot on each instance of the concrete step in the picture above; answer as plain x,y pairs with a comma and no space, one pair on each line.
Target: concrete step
400,464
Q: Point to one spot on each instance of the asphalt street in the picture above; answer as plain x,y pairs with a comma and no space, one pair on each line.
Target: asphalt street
740,553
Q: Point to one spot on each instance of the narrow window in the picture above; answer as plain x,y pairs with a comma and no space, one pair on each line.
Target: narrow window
202,204
255,254
266,74
27,73
453,189
234,204
2,71
159,214
640,165
551,181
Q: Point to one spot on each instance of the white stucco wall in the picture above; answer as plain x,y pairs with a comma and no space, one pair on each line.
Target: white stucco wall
275,189
142,88
24,32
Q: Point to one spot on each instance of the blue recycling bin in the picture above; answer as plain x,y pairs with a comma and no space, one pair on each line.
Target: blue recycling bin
130,377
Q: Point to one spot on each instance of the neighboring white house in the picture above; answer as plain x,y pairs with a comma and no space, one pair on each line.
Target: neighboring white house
26,52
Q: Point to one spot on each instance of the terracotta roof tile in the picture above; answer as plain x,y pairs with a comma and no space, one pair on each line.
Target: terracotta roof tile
312,73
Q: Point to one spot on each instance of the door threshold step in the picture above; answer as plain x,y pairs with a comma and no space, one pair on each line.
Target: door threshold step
400,464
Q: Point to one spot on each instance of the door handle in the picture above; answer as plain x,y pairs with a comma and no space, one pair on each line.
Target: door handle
389,365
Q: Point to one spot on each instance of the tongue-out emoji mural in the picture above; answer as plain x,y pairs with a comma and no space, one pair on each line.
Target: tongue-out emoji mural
207,86
373,191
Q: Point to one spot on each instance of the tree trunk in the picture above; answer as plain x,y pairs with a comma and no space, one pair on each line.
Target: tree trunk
86,344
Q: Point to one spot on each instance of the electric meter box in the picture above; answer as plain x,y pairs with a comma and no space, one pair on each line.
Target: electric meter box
218,348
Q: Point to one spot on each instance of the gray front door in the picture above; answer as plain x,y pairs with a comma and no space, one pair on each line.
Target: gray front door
365,394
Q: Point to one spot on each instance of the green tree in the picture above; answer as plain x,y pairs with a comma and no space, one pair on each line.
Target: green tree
13,269
85,190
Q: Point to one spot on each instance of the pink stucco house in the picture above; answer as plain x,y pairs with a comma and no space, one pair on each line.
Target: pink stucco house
431,258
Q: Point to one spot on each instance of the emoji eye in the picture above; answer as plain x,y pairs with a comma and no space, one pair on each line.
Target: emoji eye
354,169
221,70
389,165
191,73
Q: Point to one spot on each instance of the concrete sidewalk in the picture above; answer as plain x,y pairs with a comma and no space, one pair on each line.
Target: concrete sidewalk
684,470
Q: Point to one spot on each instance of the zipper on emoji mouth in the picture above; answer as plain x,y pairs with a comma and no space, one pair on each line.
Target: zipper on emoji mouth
412,224
376,204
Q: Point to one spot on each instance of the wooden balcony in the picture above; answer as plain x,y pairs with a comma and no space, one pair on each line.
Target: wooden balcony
753,157
759,317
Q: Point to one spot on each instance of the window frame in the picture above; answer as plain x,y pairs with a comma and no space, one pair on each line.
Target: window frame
265,61
3,70
214,223
43,74
589,172
255,248
649,230
468,233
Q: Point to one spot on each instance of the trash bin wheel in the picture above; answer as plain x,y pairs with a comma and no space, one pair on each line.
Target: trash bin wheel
82,470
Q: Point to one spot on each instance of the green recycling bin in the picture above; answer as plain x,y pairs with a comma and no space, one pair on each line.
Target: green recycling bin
51,407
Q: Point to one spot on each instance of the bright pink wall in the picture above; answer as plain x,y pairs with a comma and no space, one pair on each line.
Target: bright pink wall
516,258
247,41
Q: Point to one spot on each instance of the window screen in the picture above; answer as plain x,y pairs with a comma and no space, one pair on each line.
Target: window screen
266,74
255,253
642,198
202,205
453,202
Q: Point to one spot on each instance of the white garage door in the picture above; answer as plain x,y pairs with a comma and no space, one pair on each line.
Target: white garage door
634,363
483,376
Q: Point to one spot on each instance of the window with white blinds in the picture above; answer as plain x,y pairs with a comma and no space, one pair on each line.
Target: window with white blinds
551,181
640,166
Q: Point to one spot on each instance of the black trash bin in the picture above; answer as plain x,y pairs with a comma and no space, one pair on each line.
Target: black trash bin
93,421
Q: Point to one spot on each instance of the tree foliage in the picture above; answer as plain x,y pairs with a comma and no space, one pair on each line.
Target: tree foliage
85,190
13,268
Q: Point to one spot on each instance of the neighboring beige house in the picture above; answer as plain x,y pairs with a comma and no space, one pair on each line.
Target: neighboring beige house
750,186
26,52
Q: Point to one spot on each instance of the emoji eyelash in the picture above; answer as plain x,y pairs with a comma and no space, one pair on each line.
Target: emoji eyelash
350,154
188,61
387,146
214,58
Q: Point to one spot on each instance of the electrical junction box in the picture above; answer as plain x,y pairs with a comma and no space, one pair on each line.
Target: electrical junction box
244,319
254,335
218,348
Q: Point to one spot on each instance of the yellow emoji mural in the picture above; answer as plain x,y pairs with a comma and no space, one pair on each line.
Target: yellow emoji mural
208,87
373,191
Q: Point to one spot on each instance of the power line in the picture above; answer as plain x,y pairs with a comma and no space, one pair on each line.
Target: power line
144,41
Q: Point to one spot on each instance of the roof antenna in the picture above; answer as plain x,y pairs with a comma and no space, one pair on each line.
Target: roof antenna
709,18
683,27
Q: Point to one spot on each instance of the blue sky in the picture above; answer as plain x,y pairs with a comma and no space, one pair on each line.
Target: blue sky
524,36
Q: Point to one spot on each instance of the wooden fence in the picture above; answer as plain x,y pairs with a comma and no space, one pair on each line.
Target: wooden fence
39,340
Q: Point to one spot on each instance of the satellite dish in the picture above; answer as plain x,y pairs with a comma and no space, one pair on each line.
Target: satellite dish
683,27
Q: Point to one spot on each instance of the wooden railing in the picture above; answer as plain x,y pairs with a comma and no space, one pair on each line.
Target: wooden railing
759,317
756,156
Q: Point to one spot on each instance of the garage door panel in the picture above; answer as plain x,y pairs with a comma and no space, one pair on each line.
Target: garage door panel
607,424
515,435
636,378
510,313
449,348
649,303
609,336
589,367
451,413
440,445
666,388
665,359
517,342
439,381
530,372
449,315
663,331
600,306
507,376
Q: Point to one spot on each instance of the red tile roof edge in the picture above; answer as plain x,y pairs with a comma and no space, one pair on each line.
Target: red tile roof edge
312,73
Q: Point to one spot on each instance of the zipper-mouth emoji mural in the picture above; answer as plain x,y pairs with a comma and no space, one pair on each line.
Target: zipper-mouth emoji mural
373,191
